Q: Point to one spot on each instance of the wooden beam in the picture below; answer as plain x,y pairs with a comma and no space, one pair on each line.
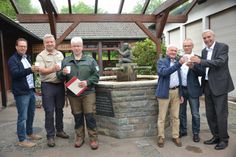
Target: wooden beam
43,6
51,18
53,6
145,6
69,6
147,32
71,18
121,6
96,7
2,70
190,7
100,63
160,24
67,32
14,6
168,5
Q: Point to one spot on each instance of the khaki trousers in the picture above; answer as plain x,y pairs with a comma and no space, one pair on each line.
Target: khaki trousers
171,103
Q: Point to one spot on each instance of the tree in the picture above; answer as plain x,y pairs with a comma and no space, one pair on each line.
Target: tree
25,6
151,7
7,9
144,54
80,7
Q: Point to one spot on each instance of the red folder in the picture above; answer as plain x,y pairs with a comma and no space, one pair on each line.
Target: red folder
73,85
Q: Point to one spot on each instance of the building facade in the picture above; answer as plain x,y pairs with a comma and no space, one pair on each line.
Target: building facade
218,15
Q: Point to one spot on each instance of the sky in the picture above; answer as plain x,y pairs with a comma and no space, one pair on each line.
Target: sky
111,6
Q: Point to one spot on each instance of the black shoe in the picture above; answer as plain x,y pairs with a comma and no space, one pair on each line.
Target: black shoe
221,145
213,140
182,134
51,142
62,134
196,138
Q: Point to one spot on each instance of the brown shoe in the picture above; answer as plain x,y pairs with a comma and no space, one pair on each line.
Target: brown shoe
51,142
26,144
93,144
160,142
79,142
177,142
35,137
62,134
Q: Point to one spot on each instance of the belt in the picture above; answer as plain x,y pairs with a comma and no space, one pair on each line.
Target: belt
173,88
185,87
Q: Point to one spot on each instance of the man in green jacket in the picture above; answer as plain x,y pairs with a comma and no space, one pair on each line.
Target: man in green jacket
86,70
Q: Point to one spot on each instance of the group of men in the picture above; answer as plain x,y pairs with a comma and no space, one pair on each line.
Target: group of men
54,72
178,83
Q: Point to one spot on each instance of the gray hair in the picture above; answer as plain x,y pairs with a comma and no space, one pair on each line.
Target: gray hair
171,45
208,30
76,40
48,36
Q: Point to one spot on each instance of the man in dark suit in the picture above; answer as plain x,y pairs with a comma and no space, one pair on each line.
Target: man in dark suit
217,83
191,93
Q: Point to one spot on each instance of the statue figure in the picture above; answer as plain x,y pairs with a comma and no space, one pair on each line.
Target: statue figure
126,54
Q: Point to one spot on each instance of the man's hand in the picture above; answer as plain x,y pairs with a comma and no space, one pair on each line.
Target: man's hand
182,60
190,64
34,68
195,59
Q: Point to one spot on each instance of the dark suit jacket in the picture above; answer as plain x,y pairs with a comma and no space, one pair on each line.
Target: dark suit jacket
193,85
219,78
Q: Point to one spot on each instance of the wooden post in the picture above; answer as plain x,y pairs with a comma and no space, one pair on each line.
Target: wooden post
2,69
100,57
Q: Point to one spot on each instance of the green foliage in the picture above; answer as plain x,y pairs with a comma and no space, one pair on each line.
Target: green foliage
25,6
80,7
7,9
151,7
144,54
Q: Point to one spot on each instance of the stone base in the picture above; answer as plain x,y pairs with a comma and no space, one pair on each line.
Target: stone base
127,109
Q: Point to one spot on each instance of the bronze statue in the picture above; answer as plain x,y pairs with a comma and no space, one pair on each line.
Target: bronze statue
126,54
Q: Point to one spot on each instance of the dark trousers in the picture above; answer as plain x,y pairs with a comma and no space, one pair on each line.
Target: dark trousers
53,99
217,113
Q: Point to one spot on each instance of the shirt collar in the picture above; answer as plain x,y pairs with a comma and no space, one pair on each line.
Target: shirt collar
53,53
212,47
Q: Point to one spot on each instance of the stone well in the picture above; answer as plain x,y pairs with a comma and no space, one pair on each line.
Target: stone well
127,109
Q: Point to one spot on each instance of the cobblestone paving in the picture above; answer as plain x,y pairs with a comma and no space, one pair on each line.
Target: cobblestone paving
145,146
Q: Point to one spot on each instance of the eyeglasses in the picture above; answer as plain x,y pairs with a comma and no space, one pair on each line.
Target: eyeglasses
188,45
22,46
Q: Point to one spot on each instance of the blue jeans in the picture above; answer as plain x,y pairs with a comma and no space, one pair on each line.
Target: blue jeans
194,106
25,105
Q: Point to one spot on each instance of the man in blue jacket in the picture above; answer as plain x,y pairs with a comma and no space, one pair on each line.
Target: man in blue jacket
169,93
23,91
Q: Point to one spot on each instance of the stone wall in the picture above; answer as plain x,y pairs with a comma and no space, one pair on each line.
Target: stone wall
127,109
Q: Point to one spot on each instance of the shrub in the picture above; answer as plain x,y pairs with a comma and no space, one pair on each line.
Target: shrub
144,54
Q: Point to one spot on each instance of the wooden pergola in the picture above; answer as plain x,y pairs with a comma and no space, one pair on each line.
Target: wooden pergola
159,17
